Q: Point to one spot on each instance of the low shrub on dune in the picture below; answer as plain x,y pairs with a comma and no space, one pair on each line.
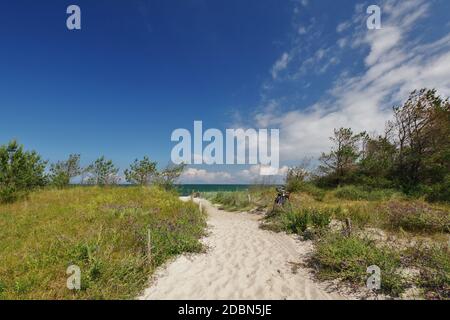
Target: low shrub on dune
417,216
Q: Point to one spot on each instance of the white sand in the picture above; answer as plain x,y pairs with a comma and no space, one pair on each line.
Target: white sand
242,262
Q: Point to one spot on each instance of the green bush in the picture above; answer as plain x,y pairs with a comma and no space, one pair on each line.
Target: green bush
20,172
235,200
299,186
348,258
439,192
320,218
298,220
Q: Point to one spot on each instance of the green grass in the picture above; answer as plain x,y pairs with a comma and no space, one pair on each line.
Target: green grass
101,230
348,258
359,193
307,222
417,216
434,265
403,219
256,197
299,186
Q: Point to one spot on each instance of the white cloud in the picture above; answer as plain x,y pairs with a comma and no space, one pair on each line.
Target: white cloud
343,26
396,64
244,176
304,3
193,175
302,30
342,42
280,65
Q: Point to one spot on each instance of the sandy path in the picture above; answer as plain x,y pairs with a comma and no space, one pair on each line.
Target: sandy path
242,262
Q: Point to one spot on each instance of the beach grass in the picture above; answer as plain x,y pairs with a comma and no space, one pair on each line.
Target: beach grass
388,229
103,231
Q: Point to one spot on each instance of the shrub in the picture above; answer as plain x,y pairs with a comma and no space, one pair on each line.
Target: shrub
348,258
232,200
298,220
361,215
62,171
168,176
417,216
299,186
321,218
141,172
103,172
439,192
20,172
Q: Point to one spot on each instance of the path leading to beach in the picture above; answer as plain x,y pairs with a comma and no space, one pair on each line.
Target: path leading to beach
242,262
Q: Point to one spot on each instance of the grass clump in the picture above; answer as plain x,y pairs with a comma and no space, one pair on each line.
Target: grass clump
232,200
434,265
300,186
361,214
348,258
417,216
298,220
101,230
357,193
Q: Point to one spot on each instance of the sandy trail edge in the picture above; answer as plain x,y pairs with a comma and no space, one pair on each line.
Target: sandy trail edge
242,262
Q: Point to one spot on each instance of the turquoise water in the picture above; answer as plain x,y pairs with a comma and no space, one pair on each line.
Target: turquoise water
187,189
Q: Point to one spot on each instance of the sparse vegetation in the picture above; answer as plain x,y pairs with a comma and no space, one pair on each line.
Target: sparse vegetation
417,216
347,258
352,192
434,265
232,201
256,197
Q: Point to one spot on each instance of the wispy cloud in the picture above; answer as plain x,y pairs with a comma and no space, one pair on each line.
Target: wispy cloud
280,65
395,63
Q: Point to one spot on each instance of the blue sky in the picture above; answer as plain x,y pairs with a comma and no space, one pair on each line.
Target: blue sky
137,70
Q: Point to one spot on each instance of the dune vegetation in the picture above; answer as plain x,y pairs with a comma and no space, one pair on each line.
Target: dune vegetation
406,237
373,200
102,230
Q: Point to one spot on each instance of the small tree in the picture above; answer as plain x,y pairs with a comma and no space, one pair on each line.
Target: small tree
141,172
103,172
20,171
169,176
421,128
63,171
341,161
377,161
296,176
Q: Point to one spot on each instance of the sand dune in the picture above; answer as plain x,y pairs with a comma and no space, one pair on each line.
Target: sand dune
242,262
